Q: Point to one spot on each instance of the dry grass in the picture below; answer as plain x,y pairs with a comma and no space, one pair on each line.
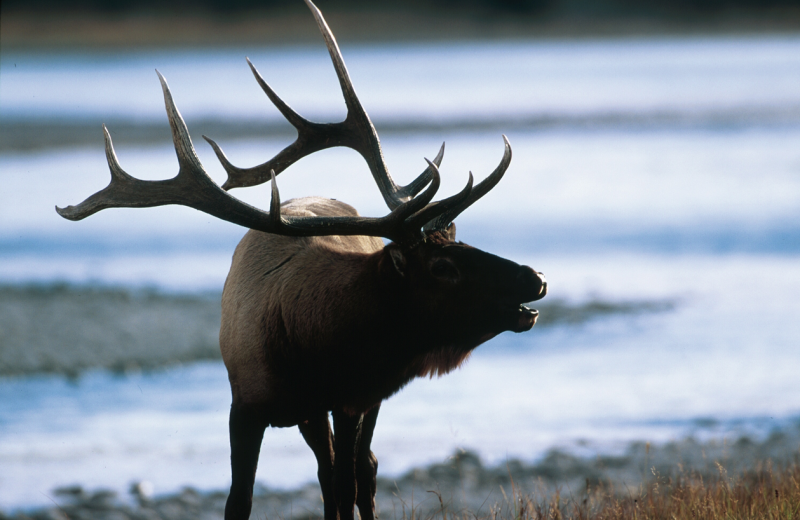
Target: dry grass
764,493
767,492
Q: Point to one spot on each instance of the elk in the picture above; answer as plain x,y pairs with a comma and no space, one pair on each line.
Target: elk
318,315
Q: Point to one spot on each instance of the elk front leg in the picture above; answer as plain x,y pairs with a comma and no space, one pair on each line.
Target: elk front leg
318,435
367,467
247,425
348,429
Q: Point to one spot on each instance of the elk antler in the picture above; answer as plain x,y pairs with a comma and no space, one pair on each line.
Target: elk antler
410,207
194,188
356,132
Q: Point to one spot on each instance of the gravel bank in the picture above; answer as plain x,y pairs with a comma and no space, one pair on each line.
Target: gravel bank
67,329
463,482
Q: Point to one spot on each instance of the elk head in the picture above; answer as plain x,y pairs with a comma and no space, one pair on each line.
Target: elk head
462,294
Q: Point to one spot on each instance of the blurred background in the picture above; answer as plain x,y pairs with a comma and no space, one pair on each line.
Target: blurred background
655,182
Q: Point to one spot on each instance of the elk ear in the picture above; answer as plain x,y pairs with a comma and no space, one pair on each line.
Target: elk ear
451,231
399,260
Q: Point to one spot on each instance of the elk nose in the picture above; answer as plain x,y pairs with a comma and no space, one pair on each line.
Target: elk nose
533,285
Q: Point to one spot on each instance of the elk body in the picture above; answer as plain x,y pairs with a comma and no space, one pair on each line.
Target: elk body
318,316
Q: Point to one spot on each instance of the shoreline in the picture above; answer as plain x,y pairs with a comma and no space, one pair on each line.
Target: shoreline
462,482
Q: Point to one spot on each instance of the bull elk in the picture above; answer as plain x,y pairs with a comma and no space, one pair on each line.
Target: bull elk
318,315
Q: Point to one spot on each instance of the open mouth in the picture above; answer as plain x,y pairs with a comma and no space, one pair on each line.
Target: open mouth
526,318
517,317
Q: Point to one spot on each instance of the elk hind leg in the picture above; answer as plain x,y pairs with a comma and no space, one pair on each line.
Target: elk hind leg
247,425
367,467
347,430
319,437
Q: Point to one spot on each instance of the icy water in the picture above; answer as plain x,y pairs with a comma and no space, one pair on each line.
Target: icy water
645,170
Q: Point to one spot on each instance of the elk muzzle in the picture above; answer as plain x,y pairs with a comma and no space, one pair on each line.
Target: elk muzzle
532,286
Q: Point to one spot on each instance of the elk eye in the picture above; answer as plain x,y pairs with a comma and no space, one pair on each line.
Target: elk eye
444,269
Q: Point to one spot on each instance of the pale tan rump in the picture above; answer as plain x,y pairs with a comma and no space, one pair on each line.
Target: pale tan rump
270,274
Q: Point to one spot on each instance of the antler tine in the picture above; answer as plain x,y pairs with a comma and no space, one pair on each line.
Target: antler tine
275,202
97,201
417,204
481,189
293,117
187,156
431,211
350,98
311,137
415,186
